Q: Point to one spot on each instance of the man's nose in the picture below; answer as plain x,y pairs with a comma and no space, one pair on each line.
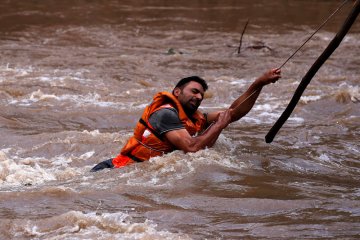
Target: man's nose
199,96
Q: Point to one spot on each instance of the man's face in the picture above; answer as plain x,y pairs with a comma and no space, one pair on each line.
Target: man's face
190,96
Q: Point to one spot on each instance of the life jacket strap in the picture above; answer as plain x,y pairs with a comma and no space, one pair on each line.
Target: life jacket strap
142,121
136,159
151,148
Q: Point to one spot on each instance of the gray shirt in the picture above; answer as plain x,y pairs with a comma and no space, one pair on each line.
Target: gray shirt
165,120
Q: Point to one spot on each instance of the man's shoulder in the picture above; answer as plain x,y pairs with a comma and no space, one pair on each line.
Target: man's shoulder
165,120
166,112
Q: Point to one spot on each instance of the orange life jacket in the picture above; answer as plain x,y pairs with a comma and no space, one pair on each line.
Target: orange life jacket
146,142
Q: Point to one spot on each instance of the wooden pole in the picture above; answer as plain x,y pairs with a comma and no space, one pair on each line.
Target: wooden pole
312,71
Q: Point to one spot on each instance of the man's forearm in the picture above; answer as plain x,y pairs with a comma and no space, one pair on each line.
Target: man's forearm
206,139
245,102
209,137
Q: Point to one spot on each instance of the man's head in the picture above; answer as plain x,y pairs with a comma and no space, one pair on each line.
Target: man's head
190,92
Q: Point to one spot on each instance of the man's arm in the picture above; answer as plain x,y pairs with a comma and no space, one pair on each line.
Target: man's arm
241,106
181,138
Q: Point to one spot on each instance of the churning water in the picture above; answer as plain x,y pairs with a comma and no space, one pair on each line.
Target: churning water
75,76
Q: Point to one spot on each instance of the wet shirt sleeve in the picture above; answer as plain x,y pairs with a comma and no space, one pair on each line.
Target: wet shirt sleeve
165,120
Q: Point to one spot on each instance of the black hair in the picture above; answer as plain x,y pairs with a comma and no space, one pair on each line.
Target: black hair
197,79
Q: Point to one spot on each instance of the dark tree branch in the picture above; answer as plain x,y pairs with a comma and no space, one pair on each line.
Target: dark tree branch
312,71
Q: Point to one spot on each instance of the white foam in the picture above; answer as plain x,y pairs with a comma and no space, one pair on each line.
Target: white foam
14,72
16,171
240,82
265,107
93,133
78,100
93,225
218,107
26,172
324,157
255,120
168,169
298,120
354,93
39,95
57,78
90,99
87,155
45,79
307,99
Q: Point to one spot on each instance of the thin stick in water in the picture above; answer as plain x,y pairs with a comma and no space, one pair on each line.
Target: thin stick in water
242,34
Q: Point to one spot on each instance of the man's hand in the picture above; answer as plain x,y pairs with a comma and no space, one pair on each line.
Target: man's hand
224,118
181,138
270,76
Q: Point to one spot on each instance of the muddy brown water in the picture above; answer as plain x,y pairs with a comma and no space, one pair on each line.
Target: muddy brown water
75,76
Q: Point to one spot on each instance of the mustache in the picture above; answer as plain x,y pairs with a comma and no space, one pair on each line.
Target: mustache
196,101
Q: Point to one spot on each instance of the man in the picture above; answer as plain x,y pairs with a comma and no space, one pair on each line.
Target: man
172,121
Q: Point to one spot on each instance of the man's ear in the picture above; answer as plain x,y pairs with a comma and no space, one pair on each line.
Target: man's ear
177,91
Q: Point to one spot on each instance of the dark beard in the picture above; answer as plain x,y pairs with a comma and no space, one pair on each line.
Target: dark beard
190,111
